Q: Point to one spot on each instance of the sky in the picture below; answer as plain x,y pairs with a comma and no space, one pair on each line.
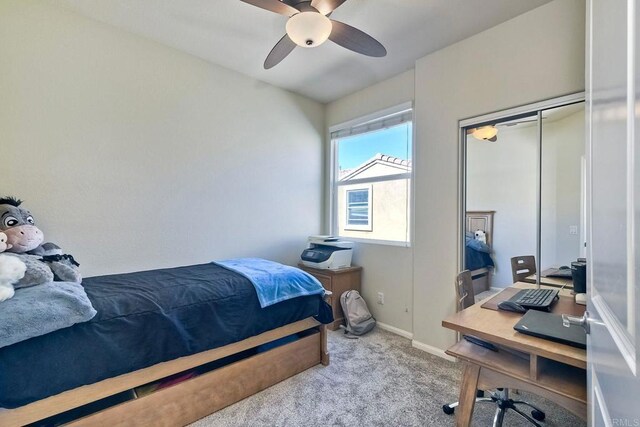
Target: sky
355,150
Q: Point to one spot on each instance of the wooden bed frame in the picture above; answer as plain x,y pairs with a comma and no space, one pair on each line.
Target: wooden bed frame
192,399
481,220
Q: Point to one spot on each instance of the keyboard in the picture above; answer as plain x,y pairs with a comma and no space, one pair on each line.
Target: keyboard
537,299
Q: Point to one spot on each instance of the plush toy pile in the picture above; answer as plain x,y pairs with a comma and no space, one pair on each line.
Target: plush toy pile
32,262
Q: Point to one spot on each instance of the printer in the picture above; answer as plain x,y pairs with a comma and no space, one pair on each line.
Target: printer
327,252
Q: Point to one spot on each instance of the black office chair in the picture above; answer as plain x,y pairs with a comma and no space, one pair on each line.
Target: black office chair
465,298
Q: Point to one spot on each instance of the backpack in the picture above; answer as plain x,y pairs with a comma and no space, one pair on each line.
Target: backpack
356,314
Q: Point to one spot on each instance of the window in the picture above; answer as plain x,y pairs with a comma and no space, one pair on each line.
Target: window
371,178
359,209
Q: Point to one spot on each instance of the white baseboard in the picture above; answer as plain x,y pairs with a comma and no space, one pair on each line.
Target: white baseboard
395,330
432,350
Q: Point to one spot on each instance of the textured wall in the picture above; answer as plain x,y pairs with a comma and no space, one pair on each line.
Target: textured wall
135,156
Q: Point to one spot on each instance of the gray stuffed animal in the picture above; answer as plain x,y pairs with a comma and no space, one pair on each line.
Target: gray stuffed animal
45,262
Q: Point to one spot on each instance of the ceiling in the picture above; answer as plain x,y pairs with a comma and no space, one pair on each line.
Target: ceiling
239,36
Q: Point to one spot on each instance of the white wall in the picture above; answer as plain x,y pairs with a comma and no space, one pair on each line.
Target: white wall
535,56
134,156
514,155
387,269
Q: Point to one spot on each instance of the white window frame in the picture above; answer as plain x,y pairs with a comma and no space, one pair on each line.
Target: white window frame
364,227
362,125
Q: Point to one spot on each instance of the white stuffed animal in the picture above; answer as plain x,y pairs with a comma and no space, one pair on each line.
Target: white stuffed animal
481,236
4,246
12,269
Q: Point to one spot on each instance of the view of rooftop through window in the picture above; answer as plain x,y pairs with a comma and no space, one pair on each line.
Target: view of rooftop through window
372,181
355,151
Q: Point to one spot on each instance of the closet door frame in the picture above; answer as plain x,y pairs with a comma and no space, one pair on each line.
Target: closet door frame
491,118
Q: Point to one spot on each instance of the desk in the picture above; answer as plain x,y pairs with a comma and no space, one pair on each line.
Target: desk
551,281
552,370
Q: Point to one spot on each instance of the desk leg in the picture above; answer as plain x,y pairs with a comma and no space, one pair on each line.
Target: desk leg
467,399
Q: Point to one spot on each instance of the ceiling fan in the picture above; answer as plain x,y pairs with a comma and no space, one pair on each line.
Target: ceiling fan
309,26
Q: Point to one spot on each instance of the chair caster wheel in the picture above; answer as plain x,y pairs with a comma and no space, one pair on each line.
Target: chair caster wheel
537,415
447,409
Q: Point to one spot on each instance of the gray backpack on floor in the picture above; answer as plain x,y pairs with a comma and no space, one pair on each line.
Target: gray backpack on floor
356,314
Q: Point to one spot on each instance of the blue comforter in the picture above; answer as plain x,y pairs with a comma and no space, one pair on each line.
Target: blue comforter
145,318
274,282
477,254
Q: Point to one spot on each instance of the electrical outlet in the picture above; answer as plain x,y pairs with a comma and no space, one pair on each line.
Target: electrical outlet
380,298
573,229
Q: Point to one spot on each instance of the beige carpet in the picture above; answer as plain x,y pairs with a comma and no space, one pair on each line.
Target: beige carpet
377,380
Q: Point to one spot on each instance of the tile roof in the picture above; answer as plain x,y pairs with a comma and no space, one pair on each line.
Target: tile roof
379,158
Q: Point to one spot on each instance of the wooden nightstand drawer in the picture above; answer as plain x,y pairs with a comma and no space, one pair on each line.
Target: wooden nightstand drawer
338,282
324,280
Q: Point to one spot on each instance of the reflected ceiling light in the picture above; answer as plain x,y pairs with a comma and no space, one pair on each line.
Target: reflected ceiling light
309,29
485,133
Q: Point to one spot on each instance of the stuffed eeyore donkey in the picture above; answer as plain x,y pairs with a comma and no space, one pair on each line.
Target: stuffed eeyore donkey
44,262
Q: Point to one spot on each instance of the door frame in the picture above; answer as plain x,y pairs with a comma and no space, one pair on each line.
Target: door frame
489,118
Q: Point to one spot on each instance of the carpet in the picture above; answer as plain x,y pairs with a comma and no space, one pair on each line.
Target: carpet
376,380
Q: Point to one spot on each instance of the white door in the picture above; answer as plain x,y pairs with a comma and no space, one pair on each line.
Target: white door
614,221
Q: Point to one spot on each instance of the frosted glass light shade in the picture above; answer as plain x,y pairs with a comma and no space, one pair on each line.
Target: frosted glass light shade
309,29
485,132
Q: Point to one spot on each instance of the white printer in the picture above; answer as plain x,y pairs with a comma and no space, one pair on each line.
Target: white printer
327,252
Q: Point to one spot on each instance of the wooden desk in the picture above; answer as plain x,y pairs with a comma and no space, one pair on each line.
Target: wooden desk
551,281
552,370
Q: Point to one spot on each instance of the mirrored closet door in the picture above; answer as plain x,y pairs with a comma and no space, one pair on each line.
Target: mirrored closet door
523,194
563,190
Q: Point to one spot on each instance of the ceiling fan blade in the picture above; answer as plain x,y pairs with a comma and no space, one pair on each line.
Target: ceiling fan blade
356,40
274,6
325,7
279,52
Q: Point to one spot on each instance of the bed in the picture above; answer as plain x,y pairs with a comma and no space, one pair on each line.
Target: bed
479,262
202,320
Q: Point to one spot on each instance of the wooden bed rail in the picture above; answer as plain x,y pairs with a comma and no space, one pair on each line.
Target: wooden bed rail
312,351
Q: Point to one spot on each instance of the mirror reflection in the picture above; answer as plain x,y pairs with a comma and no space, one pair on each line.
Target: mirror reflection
501,177
525,204
563,213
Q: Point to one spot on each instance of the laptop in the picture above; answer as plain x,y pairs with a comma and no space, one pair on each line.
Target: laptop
549,326
564,273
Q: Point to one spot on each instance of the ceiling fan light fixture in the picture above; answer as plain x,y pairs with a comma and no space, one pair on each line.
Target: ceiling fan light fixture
485,133
309,29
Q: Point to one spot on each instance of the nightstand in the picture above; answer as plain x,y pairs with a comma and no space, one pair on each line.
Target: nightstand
338,282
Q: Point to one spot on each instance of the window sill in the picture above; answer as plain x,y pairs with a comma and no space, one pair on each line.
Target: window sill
376,242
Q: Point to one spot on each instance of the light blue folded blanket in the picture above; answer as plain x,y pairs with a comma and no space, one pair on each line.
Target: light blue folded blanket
41,309
274,282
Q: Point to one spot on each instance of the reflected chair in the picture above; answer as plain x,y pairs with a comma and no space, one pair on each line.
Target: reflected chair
465,298
523,267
